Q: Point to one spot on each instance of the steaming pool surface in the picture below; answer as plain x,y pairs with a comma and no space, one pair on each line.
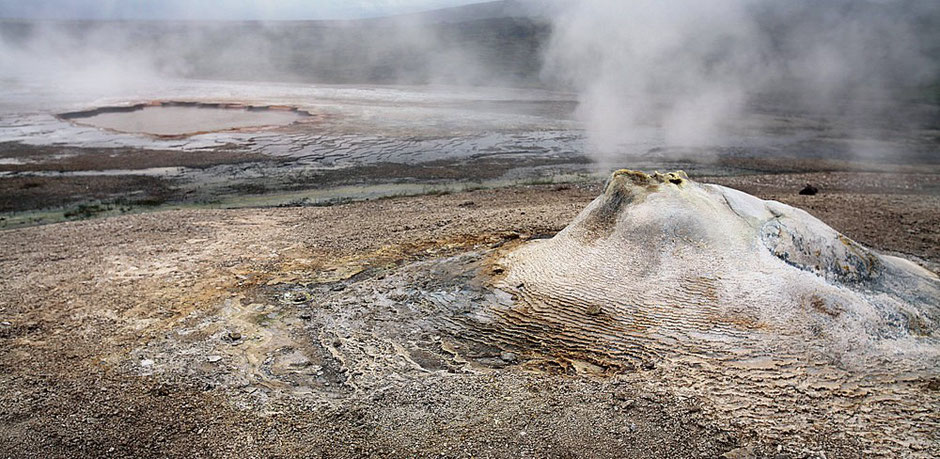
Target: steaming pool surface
163,120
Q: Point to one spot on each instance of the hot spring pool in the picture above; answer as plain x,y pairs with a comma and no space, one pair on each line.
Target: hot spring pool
182,120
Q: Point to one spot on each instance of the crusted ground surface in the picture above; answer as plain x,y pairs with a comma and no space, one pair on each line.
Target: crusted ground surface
781,323
301,331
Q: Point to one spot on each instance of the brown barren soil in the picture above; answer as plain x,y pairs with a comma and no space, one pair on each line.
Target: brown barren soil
78,300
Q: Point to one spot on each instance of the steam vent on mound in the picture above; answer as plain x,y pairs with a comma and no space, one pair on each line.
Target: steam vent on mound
754,304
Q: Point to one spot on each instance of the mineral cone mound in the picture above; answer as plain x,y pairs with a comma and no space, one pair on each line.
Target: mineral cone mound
755,305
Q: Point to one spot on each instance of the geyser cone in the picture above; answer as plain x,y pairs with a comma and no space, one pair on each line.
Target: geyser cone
660,266
755,307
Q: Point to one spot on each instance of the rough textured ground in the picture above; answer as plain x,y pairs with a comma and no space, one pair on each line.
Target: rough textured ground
182,333
752,305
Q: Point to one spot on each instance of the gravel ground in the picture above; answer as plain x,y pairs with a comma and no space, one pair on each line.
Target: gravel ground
81,304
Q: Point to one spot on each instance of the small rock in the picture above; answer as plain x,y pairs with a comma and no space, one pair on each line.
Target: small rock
648,366
296,359
291,362
146,363
746,452
214,358
338,288
467,204
624,398
234,336
809,190
508,357
934,384
5,323
161,391
296,297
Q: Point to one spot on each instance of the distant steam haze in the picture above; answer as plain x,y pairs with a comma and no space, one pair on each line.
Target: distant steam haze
689,70
490,44
663,73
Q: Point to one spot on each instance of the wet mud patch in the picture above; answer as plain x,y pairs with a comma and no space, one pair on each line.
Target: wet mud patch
25,193
183,119
45,160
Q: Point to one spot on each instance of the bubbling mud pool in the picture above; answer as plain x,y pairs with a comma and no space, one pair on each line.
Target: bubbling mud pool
179,119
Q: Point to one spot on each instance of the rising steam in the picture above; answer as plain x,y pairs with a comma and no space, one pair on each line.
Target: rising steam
473,46
648,73
689,70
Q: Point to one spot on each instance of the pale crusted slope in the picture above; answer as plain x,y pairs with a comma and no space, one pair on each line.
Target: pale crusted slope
753,304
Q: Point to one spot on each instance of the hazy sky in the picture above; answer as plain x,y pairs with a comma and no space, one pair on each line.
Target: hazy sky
215,9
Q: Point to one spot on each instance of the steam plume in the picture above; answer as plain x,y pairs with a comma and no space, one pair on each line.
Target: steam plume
688,70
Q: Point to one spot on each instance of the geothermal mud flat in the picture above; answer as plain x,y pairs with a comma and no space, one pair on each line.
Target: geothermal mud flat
254,269
457,322
335,143
273,144
429,325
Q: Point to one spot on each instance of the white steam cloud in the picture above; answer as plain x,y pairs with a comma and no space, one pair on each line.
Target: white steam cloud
100,56
689,70
649,73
